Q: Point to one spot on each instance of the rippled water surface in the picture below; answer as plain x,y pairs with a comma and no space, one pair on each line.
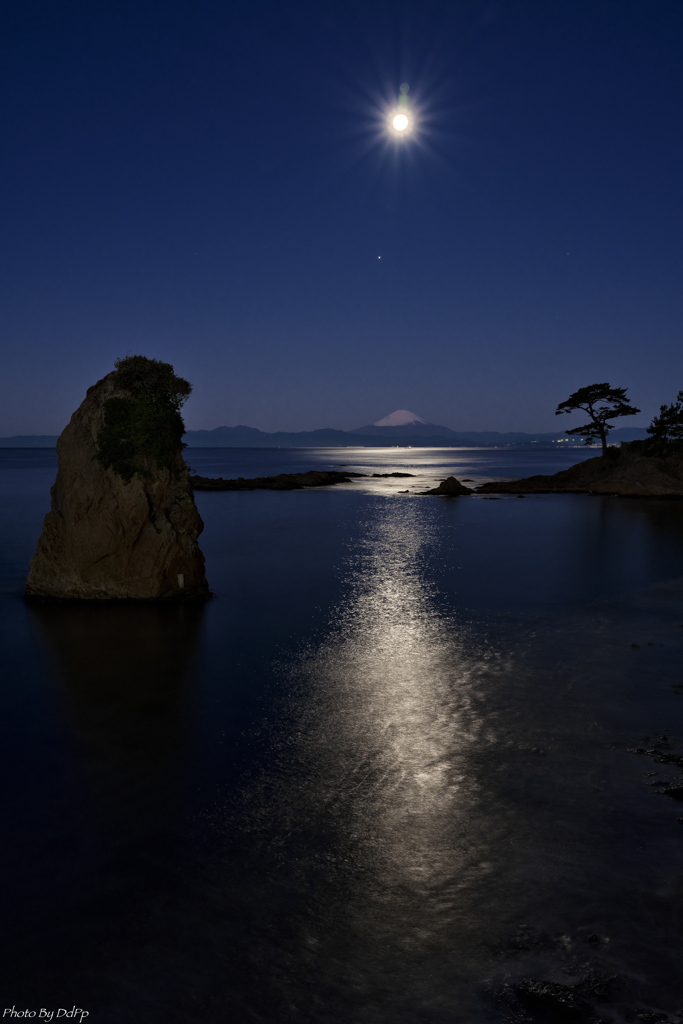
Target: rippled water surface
384,776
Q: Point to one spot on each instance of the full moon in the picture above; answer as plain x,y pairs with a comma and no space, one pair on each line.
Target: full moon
400,122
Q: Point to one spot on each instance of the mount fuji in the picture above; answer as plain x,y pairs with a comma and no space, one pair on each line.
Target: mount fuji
400,418
403,423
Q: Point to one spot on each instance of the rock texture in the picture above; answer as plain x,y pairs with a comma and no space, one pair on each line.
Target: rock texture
107,539
627,471
450,488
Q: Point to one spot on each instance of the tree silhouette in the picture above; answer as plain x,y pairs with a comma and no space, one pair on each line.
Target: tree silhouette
602,403
668,426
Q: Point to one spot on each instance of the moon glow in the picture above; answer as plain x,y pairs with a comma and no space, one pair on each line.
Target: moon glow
400,120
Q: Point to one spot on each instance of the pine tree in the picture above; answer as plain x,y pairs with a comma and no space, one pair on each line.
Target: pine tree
667,428
602,403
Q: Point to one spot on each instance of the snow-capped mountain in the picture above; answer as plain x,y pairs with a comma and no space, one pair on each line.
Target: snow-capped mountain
400,418
403,423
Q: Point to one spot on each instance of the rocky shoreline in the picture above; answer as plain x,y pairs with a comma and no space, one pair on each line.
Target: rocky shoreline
629,471
283,481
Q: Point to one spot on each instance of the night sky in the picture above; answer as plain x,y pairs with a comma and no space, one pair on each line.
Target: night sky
211,183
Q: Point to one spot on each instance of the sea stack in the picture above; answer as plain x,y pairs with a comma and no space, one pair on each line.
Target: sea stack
123,523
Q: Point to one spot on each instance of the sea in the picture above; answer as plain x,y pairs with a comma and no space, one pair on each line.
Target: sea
418,761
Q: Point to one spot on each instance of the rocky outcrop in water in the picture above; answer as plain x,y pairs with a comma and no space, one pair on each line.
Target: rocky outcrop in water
631,470
281,482
450,488
128,532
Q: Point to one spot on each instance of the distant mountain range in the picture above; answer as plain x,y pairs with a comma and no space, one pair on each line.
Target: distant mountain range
403,428
382,437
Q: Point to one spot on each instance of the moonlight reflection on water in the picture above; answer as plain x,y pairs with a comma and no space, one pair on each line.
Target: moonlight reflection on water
400,689
384,777
376,782
449,806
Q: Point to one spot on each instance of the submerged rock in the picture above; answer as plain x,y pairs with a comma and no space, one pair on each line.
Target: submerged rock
630,471
130,531
546,1000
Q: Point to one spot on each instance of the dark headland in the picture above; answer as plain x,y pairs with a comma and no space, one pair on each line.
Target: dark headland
633,470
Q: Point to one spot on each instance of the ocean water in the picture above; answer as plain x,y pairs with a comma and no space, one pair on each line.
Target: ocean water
386,775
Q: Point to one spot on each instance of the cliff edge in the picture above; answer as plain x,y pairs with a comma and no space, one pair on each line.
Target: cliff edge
122,526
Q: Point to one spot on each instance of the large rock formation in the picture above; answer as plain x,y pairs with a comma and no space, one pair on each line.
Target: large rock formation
108,537
632,471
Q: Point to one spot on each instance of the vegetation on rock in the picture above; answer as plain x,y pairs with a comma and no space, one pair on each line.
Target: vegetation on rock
142,429
666,430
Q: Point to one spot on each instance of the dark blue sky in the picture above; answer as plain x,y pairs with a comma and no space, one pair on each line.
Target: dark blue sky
210,183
